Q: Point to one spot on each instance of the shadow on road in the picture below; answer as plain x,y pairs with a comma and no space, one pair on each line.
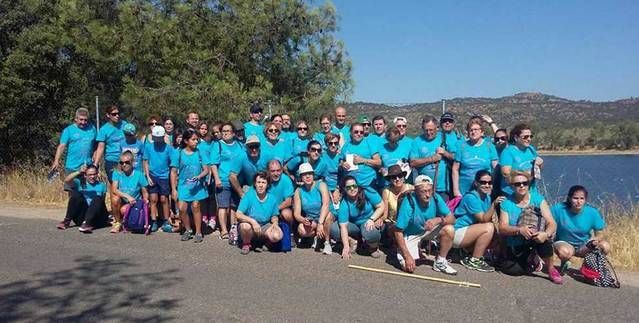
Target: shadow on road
93,288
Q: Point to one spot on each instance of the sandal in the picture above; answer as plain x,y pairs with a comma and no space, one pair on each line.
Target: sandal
224,236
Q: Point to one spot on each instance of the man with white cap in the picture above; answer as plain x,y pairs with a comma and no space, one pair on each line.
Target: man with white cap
156,162
423,215
243,172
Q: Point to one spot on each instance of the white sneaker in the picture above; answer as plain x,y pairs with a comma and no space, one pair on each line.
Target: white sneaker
328,249
442,265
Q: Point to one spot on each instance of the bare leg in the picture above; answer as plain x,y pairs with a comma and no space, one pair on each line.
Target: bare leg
197,216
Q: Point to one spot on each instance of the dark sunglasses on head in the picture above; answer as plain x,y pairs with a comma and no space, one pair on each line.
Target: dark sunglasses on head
520,184
125,162
504,138
486,182
526,137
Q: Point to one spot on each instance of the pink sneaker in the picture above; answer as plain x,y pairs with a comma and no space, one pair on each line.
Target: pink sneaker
63,225
555,276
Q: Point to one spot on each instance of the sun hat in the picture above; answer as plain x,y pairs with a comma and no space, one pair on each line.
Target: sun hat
395,170
305,168
158,131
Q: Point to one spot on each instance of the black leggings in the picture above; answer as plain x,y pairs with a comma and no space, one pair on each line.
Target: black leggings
517,262
79,211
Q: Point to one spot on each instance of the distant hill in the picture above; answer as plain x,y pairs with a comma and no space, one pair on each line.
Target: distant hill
538,109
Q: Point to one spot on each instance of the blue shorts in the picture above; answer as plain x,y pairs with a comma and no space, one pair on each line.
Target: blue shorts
109,167
226,198
160,187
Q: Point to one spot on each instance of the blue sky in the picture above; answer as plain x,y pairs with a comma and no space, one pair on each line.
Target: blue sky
425,51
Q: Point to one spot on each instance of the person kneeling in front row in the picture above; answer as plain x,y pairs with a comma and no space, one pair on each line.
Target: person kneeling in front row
258,214
423,215
86,202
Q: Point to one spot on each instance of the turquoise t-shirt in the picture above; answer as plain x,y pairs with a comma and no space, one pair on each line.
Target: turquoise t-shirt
80,143
576,228
514,212
111,135
473,158
344,131
282,189
330,170
137,149
280,150
229,154
311,201
89,191
159,157
411,218
189,166
251,129
298,145
247,168
422,148
518,160
260,210
320,136
390,156
364,174
319,167
470,204
452,138
348,211
131,184
379,141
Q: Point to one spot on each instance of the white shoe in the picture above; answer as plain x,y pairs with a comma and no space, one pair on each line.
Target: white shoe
328,249
441,265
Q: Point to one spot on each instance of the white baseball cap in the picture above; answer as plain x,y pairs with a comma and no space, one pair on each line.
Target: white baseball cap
305,168
158,131
423,180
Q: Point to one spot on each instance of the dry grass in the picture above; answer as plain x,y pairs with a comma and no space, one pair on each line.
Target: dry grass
30,186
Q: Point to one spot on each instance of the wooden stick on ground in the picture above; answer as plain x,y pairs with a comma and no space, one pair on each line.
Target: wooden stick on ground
441,280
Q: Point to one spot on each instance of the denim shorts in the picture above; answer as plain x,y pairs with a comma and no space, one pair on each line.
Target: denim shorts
109,167
160,187
226,198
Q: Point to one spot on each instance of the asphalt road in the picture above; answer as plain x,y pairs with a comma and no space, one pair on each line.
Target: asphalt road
52,275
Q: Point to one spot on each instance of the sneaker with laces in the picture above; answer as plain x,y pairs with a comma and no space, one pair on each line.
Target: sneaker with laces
555,276
478,264
376,254
565,265
198,238
63,225
245,249
154,226
186,236
441,265
233,235
328,249
85,228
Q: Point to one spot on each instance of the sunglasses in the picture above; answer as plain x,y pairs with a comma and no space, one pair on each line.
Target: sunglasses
115,114
253,146
520,184
125,162
400,126
351,187
526,137
152,123
395,177
94,174
302,128
366,124
358,132
333,143
500,139
273,130
486,182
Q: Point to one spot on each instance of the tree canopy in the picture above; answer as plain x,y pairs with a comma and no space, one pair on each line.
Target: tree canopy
162,57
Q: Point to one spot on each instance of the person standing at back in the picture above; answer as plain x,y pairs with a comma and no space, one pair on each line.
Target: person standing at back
79,139
109,138
450,138
254,126
340,127
133,144
427,153
192,120
156,164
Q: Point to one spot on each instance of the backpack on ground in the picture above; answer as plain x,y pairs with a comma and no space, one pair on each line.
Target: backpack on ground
284,245
598,271
531,217
136,218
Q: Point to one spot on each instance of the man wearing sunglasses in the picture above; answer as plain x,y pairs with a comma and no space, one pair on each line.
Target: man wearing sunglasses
312,156
254,126
109,138
243,172
79,139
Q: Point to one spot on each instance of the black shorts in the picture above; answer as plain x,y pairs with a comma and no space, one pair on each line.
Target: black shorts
160,186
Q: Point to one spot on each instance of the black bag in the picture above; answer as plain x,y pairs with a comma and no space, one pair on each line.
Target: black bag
598,271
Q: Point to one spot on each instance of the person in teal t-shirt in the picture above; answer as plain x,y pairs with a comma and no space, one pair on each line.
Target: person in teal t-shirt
311,204
520,155
358,211
79,140
325,128
254,127
189,173
474,227
128,186
133,144
86,201
523,238
109,138
423,215
157,168
392,153
472,155
577,225
359,159
258,214
299,143
426,155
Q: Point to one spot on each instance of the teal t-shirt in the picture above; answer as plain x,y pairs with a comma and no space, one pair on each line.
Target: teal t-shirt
343,132
422,148
298,145
330,170
137,149
282,189
89,191
251,129
131,184
112,136
80,143
471,159
364,174
576,228
311,201
320,136
280,150
470,204
518,160
260,210
514,212
247,168
412,216
348,211
229,154
189,166
159,157
392,155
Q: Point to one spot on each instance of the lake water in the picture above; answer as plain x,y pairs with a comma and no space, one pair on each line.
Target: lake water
605,176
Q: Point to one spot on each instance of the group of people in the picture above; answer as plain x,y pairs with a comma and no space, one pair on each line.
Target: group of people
359,187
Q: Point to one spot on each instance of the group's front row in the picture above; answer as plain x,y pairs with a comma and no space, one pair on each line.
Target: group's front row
519,233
